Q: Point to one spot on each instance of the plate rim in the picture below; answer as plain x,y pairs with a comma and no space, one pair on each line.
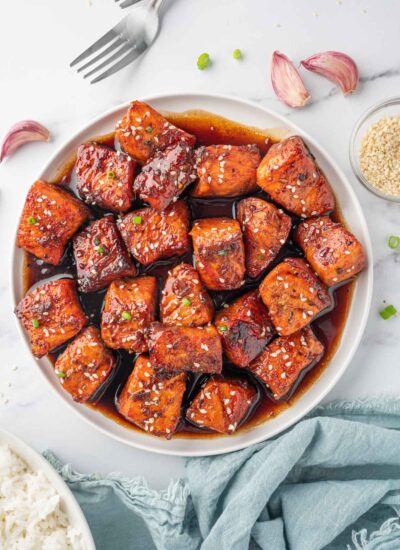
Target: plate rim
36,462
329,385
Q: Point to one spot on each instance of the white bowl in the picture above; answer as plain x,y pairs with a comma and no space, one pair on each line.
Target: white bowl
68,503
253,115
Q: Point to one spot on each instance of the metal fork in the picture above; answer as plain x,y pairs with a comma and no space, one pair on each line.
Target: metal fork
120,46
127,3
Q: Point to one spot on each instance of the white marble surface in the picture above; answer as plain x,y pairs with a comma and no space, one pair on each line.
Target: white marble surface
38,39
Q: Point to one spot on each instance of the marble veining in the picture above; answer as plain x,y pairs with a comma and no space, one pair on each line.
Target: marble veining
37,83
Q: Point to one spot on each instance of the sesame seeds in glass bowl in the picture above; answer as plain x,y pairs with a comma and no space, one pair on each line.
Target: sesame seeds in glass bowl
375,149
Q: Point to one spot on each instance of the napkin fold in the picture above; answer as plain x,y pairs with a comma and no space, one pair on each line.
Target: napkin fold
332,481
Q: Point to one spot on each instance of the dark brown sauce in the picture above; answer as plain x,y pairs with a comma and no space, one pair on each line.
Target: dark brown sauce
209,129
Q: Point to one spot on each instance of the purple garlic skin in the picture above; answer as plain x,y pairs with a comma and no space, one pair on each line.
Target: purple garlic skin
20,133
336,66
286,81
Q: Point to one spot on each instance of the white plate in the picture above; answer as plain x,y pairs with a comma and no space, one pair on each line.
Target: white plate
68,503
253,115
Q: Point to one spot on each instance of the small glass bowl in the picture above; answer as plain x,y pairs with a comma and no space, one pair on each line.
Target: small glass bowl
389,107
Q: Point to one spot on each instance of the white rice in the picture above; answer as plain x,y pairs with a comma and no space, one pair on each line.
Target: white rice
31,515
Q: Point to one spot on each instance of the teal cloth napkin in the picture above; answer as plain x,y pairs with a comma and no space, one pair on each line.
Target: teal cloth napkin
330,482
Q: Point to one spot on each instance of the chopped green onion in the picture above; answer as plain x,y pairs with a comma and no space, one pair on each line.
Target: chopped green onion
394,242
32,221
186,301
221,253
222,328
203,61
388,312
137,220
100,250
260,257
126,315
237,54
35,323
110,174
60,374
96,241
149,129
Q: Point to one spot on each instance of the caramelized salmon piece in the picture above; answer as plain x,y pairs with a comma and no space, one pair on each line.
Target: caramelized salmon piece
184,299
51,216
152,399
265,230
85,366
105,177
293,295
332,251
166,175
221,404
129,308
151,235
185,348
289,174
283,361
100,255
143,131
219,252
51,314
226,170
245,328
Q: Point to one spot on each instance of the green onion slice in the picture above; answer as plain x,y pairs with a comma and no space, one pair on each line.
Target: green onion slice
32,221
60,374
149,129
394,242
137,220
222,328
126,315
237,54
388,312
186,301
110,174
35,323
203,61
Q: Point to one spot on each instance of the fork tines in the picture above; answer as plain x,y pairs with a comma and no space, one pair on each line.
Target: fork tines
115,53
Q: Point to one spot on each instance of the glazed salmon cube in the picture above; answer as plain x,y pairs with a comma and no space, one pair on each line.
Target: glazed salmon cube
222,404
100,255
143,131
51,216
245,328
293,295
284,360
184,299
332,251
129,308
226,170
105,177
166,175
219,252
86,366
152,399
265,230
185,348
289,174
151,235
51,314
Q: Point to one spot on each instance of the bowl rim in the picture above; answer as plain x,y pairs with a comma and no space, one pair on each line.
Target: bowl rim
354,154
231,445
37,462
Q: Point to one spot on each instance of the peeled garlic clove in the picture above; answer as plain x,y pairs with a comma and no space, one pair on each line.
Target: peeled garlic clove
20,133
287,82
336,66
